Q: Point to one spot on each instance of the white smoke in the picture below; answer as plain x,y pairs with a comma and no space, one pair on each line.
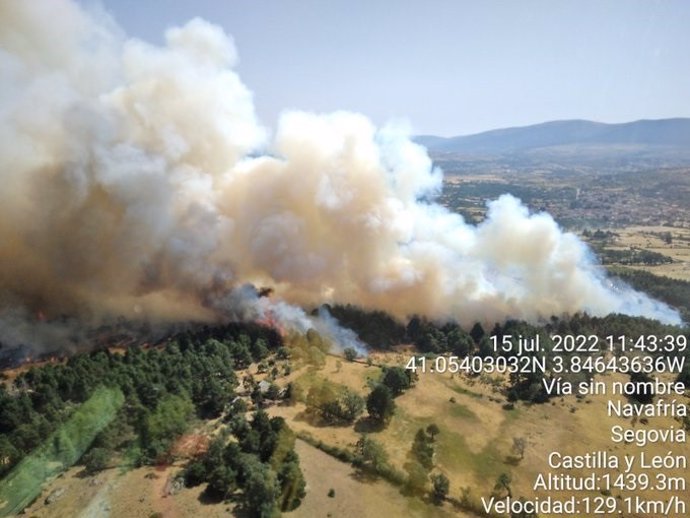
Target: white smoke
342,338
131,187
245,303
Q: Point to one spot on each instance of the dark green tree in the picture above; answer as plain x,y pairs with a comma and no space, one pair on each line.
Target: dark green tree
397,379
350,354
95,460
221,480
423,449
477,332
261,491
503,484
194,473
380,404
440,487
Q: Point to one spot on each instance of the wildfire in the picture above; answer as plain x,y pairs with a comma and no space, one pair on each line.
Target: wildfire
270,319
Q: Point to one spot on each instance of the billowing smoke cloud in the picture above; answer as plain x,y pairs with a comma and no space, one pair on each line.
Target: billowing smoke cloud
137,183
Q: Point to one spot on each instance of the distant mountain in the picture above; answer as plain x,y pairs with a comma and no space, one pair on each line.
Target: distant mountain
666,133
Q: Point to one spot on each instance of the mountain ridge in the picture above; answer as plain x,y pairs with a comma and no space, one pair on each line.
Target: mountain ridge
672,133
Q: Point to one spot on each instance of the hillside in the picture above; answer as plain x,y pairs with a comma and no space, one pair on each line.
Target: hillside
666,135
474,446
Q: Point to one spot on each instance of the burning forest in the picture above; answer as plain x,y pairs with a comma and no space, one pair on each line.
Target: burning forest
138,186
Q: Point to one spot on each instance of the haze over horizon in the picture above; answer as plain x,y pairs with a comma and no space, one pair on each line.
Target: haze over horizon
448,68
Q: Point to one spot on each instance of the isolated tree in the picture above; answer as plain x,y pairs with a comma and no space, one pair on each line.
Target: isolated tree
441,486
423,449
350,354
371,453
380,404
503,483
397,379
519,445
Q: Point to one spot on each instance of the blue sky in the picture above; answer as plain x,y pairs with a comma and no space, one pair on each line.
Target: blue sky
448,67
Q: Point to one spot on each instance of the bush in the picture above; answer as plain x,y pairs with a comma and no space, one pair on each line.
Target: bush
441,485
350,354
96,460
194,474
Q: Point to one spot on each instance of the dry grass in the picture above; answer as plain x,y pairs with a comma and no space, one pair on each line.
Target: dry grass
354,495
649,238
475,443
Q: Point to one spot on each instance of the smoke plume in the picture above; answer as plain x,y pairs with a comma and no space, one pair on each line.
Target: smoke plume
138,183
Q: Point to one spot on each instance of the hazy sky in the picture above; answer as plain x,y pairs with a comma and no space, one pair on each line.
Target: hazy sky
449,67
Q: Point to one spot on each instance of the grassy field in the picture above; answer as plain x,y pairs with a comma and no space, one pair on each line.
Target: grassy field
652,239
354,495
475,443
